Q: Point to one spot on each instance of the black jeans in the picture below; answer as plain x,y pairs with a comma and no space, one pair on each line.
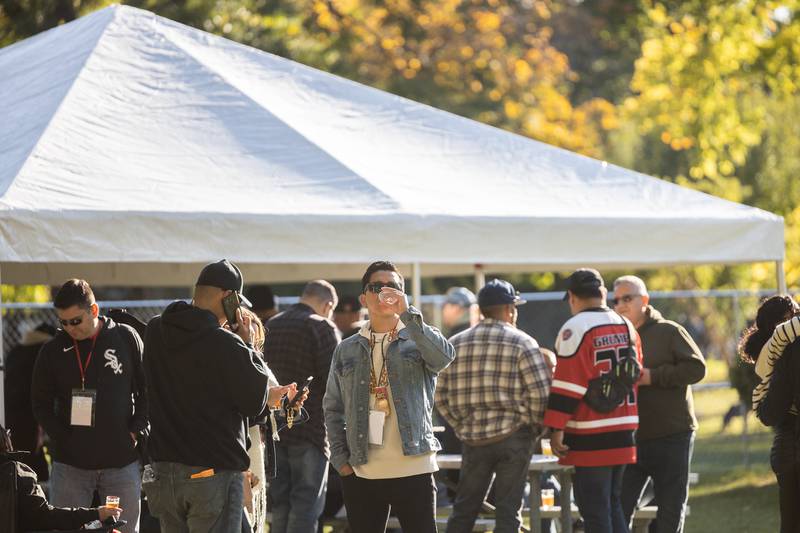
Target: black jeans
368,502
666,460
786,465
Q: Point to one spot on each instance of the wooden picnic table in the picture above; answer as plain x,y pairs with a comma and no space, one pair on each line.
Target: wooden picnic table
538,465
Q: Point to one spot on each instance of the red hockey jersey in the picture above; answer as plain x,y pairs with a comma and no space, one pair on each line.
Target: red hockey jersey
587,346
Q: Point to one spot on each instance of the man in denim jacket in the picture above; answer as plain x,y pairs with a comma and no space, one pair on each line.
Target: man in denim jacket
378,408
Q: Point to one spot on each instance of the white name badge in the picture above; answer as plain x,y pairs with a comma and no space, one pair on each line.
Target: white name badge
83,402
376,423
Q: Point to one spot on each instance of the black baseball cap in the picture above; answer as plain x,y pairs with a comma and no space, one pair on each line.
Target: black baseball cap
224,275
498,292
583,281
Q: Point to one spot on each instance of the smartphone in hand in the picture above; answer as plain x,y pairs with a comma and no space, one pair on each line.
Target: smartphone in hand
230,304
300,391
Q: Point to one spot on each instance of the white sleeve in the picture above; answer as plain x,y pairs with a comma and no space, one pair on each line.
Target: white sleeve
782,337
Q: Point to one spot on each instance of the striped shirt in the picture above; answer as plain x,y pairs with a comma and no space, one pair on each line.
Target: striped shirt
783,336
498,382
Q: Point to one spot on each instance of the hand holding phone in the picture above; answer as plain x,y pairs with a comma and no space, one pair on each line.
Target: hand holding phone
300,392
231,304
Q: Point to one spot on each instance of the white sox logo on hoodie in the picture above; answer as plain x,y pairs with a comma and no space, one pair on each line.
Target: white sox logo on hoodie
113,362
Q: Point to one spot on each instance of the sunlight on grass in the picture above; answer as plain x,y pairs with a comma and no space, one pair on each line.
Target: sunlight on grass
716,370
737,490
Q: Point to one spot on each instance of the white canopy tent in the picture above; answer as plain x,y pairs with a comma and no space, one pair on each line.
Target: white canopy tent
134,149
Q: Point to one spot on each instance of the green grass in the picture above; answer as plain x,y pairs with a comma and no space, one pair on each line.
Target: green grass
737,491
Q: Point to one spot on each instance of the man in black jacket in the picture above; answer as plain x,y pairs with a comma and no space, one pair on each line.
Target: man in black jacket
23,505
203,380
88,394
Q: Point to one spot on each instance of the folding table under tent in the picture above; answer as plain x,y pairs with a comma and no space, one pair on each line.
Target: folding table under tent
134,149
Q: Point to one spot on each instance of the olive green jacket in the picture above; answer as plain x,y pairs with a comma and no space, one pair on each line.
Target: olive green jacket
675,362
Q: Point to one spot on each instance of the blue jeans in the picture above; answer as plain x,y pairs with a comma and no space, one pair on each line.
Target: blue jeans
298,491
202,505
666,460
598,493
74,487
508,462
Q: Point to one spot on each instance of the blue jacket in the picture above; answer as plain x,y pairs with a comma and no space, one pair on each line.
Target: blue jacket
413,360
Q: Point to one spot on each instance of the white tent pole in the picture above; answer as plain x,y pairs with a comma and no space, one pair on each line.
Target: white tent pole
480,278
2,362
416,287
781,278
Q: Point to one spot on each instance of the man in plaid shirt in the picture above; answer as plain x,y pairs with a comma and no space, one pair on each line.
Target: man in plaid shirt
494,395
300,343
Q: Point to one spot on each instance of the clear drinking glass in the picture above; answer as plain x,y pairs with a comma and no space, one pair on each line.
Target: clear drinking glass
112,501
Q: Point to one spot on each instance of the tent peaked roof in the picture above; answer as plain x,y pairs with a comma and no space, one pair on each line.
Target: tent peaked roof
132,139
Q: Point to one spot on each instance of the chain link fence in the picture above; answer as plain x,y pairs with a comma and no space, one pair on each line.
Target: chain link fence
715,319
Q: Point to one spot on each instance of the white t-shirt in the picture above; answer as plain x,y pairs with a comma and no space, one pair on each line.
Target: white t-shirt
388,461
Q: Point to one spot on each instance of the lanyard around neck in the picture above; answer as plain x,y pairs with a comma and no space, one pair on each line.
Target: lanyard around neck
81,366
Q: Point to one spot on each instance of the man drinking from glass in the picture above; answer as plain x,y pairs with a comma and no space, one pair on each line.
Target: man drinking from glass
378,407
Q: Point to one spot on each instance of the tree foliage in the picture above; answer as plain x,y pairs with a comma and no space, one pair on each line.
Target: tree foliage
714,98
488,60
701,83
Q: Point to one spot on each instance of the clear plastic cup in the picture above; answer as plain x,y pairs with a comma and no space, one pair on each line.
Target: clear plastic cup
112,501
546,448
548,498
388,297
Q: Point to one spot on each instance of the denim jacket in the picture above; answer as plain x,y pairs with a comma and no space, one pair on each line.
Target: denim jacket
413,361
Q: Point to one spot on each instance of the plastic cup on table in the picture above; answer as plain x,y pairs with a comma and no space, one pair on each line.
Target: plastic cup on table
546,448
548,498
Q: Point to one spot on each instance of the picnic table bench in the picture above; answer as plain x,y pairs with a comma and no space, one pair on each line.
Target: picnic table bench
641,520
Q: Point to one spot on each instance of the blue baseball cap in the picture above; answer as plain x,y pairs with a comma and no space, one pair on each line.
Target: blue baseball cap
498,292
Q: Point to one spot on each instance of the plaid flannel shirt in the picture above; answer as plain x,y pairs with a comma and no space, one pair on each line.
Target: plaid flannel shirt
299,344
498,382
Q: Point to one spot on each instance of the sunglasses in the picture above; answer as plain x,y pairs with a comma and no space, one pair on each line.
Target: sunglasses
377,286
71,321
628,298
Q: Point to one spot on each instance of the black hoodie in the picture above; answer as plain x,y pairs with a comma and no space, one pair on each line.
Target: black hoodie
115,372
202,381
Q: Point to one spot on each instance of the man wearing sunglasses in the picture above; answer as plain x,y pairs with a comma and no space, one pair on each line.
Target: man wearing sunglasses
672,362
378,407
89,395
